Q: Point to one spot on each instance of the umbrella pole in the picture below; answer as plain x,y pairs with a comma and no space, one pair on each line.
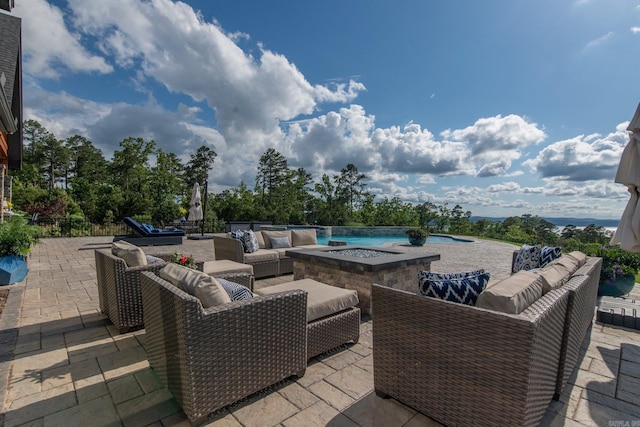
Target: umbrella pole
204,206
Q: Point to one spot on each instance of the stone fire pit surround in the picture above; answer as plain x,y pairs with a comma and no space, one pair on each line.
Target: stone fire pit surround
342,268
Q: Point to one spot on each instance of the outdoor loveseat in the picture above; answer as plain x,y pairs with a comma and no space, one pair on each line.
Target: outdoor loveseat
268,260
464,365
210,358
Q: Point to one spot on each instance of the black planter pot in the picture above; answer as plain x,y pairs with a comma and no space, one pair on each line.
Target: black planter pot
417,241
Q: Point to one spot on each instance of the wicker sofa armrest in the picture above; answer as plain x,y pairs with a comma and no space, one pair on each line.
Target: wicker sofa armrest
228,248
583,295
214,357
463,365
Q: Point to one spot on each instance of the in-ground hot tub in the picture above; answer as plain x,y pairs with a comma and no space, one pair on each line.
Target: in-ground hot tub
357,267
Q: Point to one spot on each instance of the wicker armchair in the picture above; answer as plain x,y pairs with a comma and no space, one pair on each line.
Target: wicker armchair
119,288
210,358
464,365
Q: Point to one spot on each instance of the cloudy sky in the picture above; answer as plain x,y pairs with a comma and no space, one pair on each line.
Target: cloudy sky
505,107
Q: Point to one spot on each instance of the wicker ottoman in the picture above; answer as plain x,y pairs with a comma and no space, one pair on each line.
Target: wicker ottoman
333,316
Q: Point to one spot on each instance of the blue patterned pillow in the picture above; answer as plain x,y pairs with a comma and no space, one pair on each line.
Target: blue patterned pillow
235,290
528,258
548,254
250,241
154,260
463,290
446,276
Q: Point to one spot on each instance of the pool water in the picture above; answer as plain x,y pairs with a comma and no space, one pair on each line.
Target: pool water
382,240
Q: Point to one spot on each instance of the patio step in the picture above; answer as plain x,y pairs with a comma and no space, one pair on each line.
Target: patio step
619,311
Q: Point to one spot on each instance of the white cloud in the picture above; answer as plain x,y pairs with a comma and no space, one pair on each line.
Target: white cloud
635,30
51,48
582,158
504,187
495,142
600,40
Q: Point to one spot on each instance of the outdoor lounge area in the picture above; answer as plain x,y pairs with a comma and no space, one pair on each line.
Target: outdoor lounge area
65,363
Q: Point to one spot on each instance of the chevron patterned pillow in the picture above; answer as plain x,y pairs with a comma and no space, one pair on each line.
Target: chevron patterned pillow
548,254
445,276
463,290
235,290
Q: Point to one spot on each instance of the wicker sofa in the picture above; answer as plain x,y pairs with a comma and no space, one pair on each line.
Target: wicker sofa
464,365
266,261
210,358
119,287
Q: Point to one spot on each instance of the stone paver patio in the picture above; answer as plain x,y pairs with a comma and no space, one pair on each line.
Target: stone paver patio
63,363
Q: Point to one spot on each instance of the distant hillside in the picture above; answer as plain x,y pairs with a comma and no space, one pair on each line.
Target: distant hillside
561,222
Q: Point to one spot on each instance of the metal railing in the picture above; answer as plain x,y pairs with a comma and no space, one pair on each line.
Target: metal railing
74,227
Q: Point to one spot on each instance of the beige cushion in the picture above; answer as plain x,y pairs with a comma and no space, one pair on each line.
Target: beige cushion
304,237
281,252
261,255
579,257
196,283
570,262
268,234
513,294
322,299
261,243
553,276
225,266
131,254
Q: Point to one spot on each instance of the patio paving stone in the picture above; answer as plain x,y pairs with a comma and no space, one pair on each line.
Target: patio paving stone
123,362
265,410
63,363
318,415
125,388
630,368
298,395
316,371
100,411
372,410
38,405
331,395
147,408
354,381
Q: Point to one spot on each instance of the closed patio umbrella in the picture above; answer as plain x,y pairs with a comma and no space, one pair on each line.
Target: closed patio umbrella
195,209
627,234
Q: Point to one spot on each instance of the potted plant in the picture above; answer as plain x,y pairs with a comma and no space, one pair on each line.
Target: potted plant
17,238
186,261
618,274
417,235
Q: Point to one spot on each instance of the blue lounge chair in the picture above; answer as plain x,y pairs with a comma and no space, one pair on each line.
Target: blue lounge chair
145,235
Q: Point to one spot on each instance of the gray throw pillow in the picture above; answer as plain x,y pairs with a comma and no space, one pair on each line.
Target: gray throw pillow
280,242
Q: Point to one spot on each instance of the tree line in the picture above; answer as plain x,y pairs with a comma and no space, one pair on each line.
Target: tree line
72,178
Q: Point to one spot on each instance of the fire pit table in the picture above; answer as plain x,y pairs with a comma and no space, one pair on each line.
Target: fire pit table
357,267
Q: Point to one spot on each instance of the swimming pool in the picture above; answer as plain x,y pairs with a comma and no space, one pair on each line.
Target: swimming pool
382,240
